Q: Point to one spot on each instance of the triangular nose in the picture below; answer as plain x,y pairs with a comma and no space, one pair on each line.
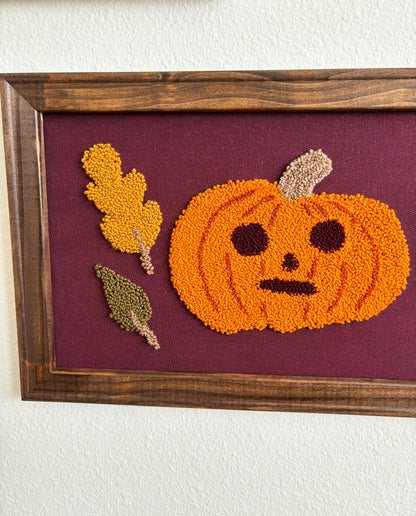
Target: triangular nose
290,262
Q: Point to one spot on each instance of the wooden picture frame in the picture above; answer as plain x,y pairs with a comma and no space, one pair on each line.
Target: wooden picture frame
26,97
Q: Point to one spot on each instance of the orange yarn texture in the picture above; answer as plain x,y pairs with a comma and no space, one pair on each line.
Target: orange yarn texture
120,197
245,257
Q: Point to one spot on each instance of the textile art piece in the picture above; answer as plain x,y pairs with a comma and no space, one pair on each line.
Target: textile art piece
253,254
129,305
130,225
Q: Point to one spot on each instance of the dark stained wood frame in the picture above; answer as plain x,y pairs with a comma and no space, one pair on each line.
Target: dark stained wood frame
25,97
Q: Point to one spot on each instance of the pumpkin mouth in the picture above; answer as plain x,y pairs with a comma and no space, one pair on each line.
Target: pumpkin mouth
291,287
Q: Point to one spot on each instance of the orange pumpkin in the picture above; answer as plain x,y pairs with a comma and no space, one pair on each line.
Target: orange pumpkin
254,254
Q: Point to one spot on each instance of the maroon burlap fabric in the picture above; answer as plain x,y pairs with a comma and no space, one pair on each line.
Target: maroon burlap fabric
181,155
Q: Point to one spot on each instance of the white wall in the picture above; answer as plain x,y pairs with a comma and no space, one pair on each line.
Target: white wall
68,459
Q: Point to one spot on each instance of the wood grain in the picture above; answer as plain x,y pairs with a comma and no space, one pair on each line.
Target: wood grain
219,91
29,228
25,97
229,391
221,76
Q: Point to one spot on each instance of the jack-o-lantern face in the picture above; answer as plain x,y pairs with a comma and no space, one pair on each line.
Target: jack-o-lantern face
245,255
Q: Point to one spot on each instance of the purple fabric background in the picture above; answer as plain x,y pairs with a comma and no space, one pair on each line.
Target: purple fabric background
181,155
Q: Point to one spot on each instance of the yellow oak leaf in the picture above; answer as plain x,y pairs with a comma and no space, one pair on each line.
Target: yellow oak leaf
129,224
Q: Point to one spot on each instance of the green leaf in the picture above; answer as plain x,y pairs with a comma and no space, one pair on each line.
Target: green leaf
123,298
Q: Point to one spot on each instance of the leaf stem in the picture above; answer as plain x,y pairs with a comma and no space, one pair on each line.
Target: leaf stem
145,259
144,330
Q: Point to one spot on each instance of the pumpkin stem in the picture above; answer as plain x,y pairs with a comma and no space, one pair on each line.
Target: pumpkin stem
301,176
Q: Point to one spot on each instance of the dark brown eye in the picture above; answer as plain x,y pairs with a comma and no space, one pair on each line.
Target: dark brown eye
250,239
328,236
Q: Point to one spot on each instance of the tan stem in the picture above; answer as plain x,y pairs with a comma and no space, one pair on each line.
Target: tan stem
301,176
144,330
145,259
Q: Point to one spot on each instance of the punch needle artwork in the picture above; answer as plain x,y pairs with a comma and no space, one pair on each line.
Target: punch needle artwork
129,305
253,254
129,224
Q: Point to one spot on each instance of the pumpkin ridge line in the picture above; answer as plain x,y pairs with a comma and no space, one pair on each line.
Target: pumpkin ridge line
273,216
308,212
344,276
231,284
263,200
345,210
204,238
306,310
318,207
312,272
376,260
376,268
